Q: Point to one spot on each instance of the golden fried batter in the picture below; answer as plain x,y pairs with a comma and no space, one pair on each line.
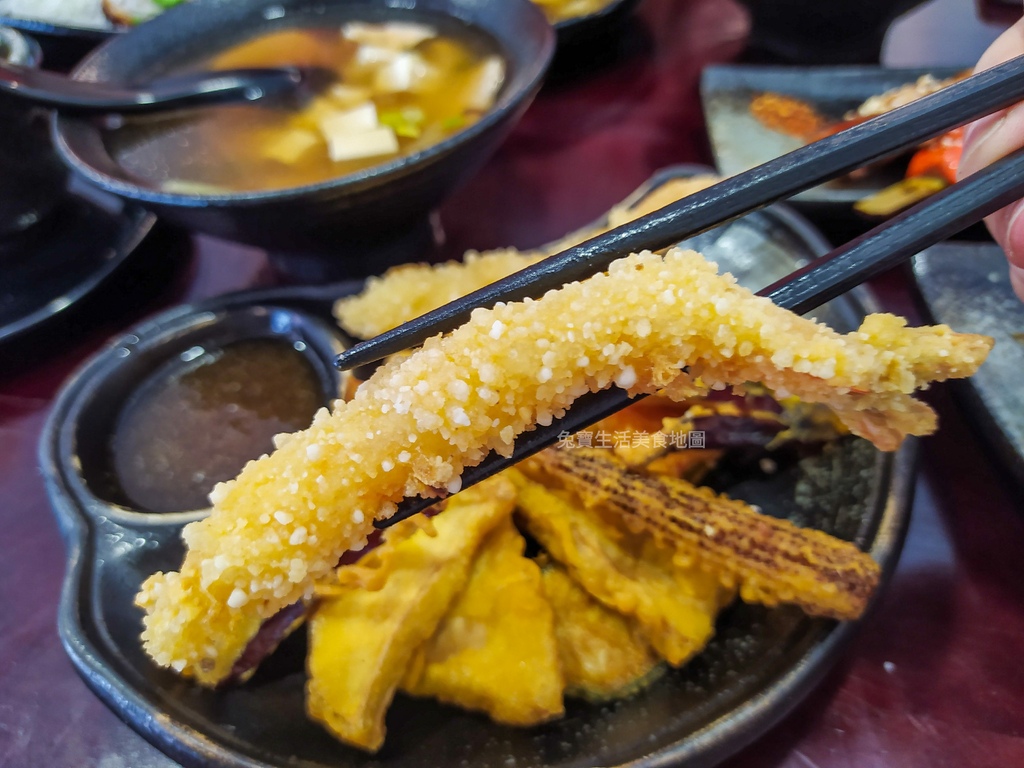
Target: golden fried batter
385,606
902,95
417,423
771,560
675,605
410,290
495,650
604,654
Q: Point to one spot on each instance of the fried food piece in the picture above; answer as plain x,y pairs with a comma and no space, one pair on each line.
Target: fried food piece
902,95
561,10
689,464
772,560
787,115
604,654
410,290
381,609
636,433
129,13
675,605
415,425
495,650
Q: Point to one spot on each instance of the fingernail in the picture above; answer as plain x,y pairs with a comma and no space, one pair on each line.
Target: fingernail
1015,236
995,141
976,137
983,125
1017,280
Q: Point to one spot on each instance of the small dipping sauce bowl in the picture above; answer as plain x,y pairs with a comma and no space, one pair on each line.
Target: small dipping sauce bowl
177,406
354,224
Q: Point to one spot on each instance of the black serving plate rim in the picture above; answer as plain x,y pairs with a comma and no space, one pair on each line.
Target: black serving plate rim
35,26
720,738
129,240
125,249
173,738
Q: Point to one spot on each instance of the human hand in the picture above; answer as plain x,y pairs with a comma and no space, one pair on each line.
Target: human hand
992,138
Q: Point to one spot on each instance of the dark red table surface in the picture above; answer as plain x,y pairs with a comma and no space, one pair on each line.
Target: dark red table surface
936,677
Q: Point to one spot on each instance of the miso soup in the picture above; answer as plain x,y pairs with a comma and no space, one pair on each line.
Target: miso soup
396,88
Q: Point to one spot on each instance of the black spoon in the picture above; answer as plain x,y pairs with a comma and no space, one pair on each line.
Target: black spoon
178,92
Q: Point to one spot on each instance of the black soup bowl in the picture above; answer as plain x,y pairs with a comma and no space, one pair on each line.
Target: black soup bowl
353,224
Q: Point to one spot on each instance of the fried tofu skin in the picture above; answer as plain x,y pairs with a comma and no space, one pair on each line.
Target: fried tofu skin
771,560
417,423
384,607
495,650
604,654
676,606
410,290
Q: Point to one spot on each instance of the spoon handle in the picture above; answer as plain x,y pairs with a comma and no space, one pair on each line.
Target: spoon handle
192,90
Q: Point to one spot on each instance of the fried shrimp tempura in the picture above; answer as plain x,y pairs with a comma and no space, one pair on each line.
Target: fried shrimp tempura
771,560
411,290
418,422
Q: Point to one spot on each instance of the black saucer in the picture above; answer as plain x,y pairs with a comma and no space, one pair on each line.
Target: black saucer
51,267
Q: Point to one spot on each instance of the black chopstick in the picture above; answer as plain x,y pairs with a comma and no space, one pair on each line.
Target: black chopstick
836,155
887,245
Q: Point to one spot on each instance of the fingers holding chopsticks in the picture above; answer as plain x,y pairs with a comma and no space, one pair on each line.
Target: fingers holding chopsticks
992,138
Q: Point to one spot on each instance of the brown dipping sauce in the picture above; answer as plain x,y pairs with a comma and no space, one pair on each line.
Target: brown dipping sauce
180,434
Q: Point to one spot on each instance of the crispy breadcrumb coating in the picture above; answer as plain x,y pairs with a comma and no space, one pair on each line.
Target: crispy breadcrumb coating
410,290
417,423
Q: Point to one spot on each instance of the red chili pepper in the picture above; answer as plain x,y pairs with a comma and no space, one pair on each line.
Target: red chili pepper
939,157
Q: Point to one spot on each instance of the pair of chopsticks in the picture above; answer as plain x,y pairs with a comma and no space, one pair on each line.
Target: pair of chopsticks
882,248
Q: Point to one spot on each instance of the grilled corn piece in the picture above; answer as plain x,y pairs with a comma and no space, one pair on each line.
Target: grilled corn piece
771,560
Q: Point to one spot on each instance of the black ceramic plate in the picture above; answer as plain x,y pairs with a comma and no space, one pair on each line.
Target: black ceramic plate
760,664
46,271
62,45
740,142
967,286
45,28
